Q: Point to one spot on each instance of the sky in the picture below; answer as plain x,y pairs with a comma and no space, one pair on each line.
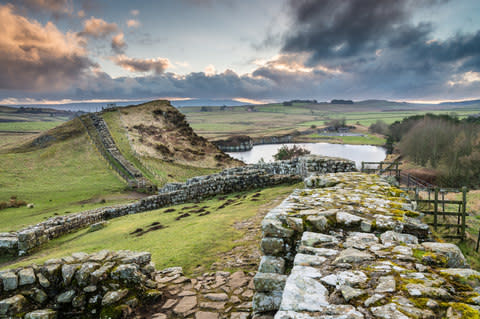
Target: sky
59,51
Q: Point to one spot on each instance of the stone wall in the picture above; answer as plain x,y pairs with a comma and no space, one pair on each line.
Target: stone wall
101,285
352,246
98,131
197,188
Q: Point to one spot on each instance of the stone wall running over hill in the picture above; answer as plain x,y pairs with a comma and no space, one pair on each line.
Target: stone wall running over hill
100,135
101,285
198,188
352,246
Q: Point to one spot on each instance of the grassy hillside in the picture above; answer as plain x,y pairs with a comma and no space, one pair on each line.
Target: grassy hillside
65,174
188,242
163,146
60,171
18,125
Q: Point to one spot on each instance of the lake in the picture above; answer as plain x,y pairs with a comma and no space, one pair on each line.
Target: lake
357,153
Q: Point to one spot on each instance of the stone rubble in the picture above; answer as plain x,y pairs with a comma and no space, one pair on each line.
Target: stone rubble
353,246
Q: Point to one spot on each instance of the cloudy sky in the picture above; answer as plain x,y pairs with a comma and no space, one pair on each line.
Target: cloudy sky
260,50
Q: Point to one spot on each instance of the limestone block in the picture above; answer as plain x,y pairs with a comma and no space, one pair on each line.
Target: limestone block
26,277
394,237
274,228
319,223
265,282
303,293
13,305
453,254
112,297
9,280
42,314
313,239
272,246
264,302
270,264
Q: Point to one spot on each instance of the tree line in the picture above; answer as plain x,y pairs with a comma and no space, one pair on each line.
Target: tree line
443,142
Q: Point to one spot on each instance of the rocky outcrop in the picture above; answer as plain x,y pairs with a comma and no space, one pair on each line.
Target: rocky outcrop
106,284
244,143
229,180
352,246
240,143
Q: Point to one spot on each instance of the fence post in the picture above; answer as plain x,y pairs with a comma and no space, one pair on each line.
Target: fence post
464,210
363,166
381,166
408,180
435,209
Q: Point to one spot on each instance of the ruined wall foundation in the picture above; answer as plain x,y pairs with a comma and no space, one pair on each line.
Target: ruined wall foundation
352,246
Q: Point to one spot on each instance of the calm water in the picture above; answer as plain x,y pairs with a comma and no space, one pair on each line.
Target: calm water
357,153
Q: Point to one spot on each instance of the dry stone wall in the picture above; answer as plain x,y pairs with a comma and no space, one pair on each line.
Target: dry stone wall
198,188
101,137
105,284
352,246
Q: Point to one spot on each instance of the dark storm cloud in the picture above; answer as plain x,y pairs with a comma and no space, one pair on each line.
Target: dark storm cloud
338,30
38,57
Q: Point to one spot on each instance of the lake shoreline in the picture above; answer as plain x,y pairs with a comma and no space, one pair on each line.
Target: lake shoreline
355,152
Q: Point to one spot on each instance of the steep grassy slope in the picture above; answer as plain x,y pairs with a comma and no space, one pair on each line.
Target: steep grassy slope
59,172
196,239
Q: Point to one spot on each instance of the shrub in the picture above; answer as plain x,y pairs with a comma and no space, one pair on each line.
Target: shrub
286,153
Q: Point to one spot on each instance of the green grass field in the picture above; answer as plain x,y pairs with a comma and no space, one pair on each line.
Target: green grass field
39,126
276,119
369,139
55,179
188,242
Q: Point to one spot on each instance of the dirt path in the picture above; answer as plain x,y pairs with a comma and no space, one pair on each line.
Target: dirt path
219,293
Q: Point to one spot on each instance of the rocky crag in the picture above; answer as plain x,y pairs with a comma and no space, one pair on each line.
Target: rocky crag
198,188
352,246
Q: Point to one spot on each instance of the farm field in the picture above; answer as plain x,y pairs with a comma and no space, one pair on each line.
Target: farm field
276,119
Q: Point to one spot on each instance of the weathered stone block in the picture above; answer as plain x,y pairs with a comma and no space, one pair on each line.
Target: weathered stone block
272,246
270,264
266,282
9,280
26,277
264,302
274,228
452,254
42,314
13,305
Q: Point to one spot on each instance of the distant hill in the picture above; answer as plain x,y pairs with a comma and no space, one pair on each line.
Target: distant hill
207,102
463,103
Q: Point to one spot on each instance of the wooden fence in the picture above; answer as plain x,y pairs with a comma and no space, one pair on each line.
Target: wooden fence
441,207
434,203
382,168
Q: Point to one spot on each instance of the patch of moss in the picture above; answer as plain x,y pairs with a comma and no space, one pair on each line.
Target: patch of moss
465,310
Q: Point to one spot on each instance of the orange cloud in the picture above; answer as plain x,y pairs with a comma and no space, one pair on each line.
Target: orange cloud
118,43
98,28
157,65
35,56
132,23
